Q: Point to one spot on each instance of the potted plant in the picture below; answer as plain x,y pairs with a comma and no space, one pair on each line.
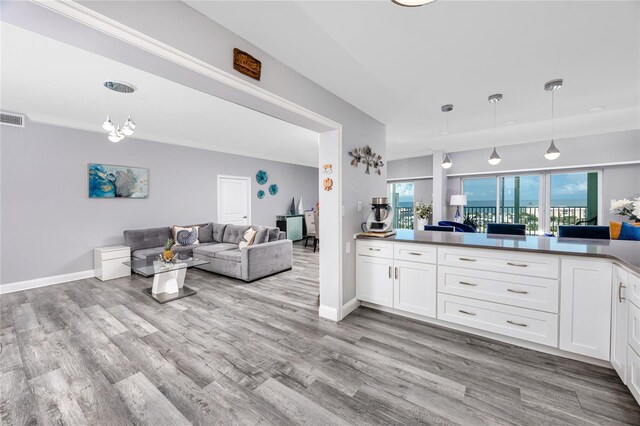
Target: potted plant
424,212
627,207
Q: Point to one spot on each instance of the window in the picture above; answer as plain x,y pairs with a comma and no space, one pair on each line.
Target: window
573,199
540,201
401,196
481,201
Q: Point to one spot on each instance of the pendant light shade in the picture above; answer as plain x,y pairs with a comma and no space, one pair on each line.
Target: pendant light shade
446,162
108,125
127,130
131,123
412,3
494,158
113,137
552,152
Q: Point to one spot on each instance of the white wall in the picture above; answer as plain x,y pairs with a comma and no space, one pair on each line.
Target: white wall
50,226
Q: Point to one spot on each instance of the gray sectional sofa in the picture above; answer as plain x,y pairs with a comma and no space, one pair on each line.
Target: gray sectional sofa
270,253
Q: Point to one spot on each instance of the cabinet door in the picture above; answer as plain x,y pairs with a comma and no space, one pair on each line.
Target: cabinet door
619,321
585,307
633,373
415,288
374,280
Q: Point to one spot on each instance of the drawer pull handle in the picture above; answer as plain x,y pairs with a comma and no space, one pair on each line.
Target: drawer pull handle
466,259
466,283
389,271
374,249
466,312
396,268
518,291
519,324
415,254
522,265
620,287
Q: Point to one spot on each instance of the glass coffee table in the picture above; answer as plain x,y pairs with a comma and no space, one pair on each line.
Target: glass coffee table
168,278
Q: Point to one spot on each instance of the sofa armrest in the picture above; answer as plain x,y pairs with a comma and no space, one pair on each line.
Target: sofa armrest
266,259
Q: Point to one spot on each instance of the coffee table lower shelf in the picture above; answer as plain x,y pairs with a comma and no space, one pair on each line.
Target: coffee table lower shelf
184,291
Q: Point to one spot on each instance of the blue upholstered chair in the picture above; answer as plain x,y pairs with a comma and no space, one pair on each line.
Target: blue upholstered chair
589,232
439,228
459,227
506,228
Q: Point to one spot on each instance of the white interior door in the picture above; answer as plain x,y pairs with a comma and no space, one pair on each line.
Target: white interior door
234,200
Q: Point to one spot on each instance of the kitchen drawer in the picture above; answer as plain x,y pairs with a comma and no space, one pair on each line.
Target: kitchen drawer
634,289
500,261
375,249
515,290
415,253
525,324
633,329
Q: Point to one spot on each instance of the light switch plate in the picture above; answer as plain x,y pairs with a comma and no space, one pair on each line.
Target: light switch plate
359,206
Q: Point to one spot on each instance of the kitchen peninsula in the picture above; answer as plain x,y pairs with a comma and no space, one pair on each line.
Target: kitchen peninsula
571,297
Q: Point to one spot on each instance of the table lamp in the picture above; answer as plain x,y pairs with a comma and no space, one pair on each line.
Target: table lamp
458,200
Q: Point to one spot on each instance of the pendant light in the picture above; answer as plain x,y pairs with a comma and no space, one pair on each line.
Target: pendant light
446,161
108,125
412,3
494,158
551,86
117,133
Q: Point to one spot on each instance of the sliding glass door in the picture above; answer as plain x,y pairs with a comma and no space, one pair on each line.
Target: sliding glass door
401,197
520,201
481,207
573,199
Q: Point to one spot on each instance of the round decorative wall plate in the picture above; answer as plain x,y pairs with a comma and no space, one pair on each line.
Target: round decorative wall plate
262,177
273,189
261,194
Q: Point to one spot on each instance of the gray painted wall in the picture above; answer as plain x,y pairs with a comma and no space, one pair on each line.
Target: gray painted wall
179,26
410,167
50,226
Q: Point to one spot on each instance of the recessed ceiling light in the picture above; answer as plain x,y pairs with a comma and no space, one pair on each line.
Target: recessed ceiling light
412,3
596,108
510,122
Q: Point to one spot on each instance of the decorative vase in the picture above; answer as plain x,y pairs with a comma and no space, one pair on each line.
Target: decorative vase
300,207
292,207
421,223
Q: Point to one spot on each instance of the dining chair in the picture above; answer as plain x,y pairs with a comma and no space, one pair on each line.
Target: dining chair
439,228
309,219
582,231
506,228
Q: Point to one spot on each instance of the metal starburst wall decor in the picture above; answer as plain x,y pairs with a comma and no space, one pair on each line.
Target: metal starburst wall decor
368,157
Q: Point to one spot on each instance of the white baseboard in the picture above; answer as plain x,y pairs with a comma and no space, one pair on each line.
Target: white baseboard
45,281
350,306
328,313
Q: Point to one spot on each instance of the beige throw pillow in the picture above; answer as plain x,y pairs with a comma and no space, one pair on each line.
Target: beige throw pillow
185,236
248,238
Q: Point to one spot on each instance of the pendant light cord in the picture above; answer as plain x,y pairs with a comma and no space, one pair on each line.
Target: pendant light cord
495,123
553,104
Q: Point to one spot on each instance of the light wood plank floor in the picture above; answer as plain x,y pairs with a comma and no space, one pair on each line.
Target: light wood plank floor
98,353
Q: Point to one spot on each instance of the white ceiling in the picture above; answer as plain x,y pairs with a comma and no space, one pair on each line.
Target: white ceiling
56,83
401,64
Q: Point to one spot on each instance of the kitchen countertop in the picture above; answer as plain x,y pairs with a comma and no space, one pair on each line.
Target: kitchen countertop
624,253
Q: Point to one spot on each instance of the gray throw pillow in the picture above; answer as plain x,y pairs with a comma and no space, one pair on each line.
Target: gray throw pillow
205,235
262,236
273,234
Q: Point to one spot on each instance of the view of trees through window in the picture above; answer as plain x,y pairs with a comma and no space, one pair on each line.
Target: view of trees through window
572,199
401,198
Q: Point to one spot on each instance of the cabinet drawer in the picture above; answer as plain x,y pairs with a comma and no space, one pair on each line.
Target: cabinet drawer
375,249
116,254
633,329
515,290
500,261
634,289
111,269
525,324
415,253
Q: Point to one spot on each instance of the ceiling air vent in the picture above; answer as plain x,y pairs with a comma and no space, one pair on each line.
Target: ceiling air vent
11,119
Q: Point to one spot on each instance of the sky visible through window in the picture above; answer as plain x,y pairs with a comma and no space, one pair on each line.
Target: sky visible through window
568,189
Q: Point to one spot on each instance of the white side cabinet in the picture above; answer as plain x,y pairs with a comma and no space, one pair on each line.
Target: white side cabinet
585,307
374,280
415,287
107,262
619,315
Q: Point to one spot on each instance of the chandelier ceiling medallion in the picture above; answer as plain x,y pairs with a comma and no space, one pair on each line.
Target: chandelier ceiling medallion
117,133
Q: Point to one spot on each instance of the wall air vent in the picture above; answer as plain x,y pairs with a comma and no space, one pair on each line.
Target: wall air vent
15,120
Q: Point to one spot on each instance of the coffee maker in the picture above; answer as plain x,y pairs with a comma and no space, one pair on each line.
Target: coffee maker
381,217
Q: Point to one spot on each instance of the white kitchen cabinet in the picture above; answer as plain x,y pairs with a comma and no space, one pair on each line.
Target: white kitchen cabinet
633,372
585,307
619,315
415,287
374,280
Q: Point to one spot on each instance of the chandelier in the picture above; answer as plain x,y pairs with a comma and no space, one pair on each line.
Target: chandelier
117,133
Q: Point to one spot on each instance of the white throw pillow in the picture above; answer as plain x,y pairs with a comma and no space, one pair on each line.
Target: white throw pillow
248,238
185,236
